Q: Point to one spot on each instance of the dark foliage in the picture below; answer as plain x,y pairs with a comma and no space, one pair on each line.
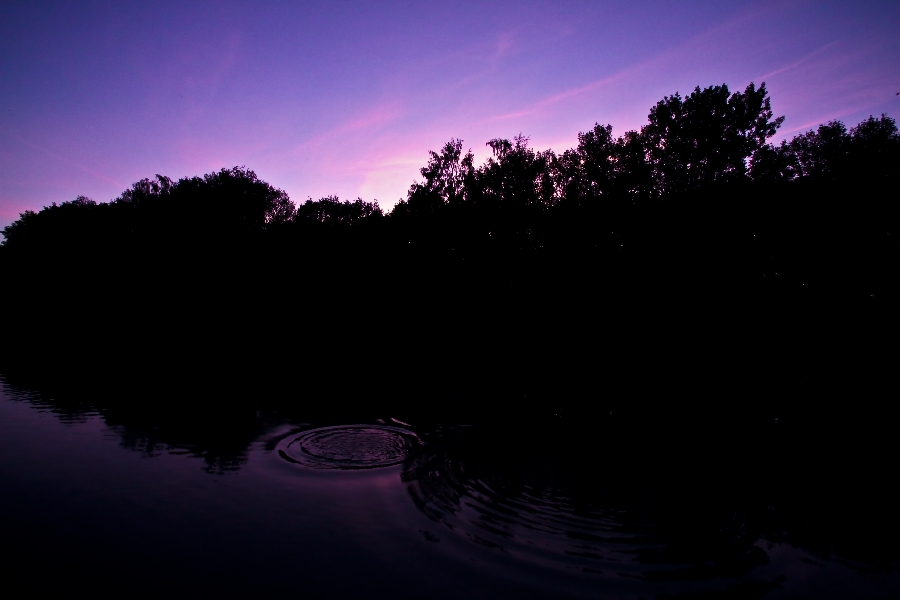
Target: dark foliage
691,254
674,299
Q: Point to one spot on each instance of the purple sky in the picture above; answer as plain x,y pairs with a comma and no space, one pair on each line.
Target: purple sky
348,97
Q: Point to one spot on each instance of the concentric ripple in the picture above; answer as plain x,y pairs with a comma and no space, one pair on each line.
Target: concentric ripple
530,518
527,509
349,447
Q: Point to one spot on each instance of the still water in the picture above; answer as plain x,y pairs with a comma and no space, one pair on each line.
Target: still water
381,506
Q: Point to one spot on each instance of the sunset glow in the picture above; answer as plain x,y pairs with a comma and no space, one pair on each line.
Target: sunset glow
347,99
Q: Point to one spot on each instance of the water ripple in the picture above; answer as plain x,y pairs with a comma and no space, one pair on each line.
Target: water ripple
530,503
526,515
349,447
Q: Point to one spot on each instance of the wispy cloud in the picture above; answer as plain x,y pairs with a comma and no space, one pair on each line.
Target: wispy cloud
797,63
637,72
833,116
383,174
59,158
835,86
561,96
370,120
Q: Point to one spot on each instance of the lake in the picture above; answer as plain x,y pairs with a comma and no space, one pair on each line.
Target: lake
104,501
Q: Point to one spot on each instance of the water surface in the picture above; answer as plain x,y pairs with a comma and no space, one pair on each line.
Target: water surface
382,506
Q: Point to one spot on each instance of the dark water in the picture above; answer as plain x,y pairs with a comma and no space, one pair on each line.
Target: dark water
93,502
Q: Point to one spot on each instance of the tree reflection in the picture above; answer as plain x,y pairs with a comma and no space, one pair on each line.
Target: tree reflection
219,434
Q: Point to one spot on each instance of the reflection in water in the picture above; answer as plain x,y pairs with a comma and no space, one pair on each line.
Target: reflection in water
349,447
218,431
495,510
548,509
524,514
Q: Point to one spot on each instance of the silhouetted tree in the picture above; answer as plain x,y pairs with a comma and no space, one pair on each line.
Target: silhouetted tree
774,164
330,210
586,172
514,177
823,153
234,198
445,179
633,169
71,224
693,215
146,189
875,149
709,136
868,152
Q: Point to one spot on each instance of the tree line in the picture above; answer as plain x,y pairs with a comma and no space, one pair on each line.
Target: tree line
711,139
694,227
